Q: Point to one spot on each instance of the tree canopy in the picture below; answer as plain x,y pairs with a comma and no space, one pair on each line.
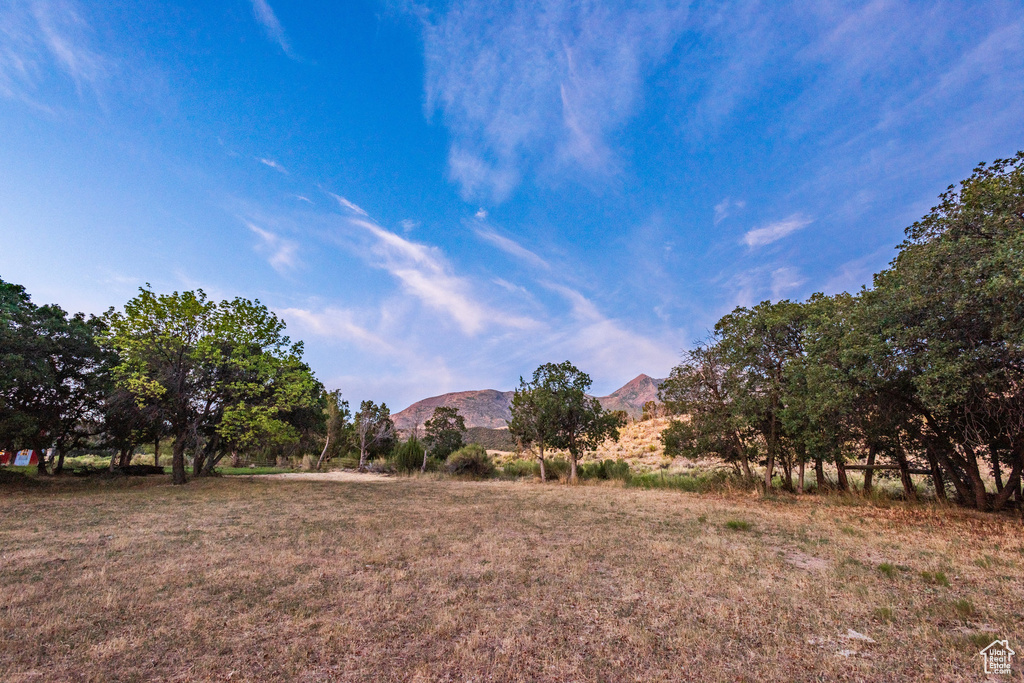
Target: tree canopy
925,368
223,374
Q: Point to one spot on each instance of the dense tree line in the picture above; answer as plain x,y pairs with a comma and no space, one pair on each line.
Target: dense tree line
922,372
217,378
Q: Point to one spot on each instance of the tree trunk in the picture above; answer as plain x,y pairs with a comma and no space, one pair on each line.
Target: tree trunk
156,453
572,467
869,474
996,472
543,476
801,475
1013,482
41,465
768,469
844,485
742,454
362,452
908,483
937,481
963,489
977,484
178,461
819,474
60,461
323,453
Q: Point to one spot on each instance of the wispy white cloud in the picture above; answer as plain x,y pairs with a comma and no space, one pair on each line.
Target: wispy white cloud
283,253
785,280
727,207
346,204
773,232
539,85
272,26
337,323
512,248
425,274
604,346
408,225
303,198
44,36
481,214
274,165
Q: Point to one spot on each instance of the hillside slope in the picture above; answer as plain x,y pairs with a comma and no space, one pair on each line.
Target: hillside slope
491,408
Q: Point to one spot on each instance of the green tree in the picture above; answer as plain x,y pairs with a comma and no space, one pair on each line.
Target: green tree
759,345
443,432
223,375
338,439
573,420
51,375
532,422
942,331
408,455
374,429
701,393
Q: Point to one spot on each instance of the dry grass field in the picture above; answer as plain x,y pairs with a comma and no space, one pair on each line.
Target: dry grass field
415,579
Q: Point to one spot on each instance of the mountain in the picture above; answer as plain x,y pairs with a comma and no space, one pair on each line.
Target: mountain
491,408
486,408
633,395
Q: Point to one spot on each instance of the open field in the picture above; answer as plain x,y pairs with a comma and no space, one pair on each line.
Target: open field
439,580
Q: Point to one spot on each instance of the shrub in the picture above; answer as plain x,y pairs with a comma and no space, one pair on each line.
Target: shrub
701,482
347,463
470,461
607,469
554,468
408,455
518,468
617,469
738,525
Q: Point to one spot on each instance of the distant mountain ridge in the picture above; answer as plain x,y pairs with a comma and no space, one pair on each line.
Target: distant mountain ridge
491,408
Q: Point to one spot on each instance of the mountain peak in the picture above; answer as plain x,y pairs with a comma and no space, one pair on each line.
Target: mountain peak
491,408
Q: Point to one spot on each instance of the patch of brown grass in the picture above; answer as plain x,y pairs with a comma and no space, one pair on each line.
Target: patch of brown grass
439,580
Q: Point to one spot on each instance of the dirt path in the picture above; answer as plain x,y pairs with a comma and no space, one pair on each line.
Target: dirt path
323,476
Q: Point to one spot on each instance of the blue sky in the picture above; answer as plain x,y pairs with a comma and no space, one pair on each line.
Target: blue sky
439,197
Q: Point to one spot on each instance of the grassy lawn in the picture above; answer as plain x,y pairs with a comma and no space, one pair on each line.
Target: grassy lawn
427,580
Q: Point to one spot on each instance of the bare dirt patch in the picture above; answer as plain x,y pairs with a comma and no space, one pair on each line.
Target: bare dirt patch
324,476
263,579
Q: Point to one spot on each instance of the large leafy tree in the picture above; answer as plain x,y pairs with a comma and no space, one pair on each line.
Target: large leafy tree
944,331
760,345
701,394
532,422
222,374
52,378
573,420
443,431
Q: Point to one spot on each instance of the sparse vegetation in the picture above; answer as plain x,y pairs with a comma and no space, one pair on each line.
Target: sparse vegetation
336,584
408,456
470,461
